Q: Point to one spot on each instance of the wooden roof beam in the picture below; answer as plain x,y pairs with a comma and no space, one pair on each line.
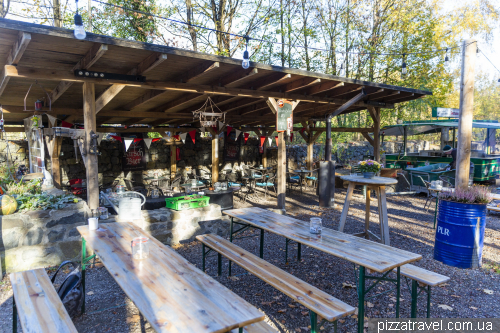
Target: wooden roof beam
153,60
323,86
237,77
15,56
93,54
299,84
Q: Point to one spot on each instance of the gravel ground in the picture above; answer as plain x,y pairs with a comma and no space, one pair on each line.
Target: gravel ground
471,293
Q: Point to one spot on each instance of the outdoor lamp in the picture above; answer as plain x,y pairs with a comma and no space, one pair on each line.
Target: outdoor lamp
446,59
498,81
403,67
79,30
246,61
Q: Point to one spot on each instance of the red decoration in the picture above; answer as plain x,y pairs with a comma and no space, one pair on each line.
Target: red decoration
154,140
261,149
246,137
137,140
117,138
291,137
302,130
229,129
192,134
177,153
276,138
262,140
177,137
66,124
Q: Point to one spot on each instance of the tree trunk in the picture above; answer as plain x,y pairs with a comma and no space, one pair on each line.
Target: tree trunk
190,19
57,14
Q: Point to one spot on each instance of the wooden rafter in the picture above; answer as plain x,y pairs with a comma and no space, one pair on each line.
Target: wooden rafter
15,56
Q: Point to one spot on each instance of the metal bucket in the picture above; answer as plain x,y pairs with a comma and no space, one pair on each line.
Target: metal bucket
129,208
460,234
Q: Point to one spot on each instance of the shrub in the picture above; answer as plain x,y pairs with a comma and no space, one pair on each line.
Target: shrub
369,166
475,194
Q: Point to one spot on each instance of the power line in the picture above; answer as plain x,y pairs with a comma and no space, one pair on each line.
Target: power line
277,43
489,60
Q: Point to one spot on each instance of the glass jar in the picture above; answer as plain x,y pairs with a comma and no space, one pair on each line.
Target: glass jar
120,189
217,187
315,225
103,213
224,186
155,194
140,248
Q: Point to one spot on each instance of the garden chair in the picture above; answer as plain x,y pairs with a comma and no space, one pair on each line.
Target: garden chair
292,180
269,182
431,193
313,178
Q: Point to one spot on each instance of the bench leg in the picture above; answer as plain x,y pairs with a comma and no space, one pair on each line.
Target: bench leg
361,299
203,257
84,254
219,264
240,330
261,243
314,321
286,249
428,301
414,298
14,315
299,251
398,291
231,240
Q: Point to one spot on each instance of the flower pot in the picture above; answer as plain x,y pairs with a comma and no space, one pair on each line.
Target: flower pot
460,234
369,175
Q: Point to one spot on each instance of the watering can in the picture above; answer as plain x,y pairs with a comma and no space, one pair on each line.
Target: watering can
129,207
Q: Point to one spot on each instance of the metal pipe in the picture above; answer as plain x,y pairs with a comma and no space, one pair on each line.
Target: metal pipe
328,142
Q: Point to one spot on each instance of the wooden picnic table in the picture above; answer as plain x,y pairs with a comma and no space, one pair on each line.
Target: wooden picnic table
171,293
378,185
365,253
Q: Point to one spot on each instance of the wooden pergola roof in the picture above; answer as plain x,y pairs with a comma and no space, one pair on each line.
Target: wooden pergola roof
176,83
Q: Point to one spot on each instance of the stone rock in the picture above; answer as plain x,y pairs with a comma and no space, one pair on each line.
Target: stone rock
56,235
37,252
11,221
33,237
62,217
10,238
71,249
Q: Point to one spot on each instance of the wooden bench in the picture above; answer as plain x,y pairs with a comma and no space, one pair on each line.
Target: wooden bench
37,304
260,327
317,301
427,278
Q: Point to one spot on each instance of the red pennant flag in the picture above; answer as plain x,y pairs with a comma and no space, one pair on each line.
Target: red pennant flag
229,129
154,140
177,153
246,137
177,137
192,134
261,149
137,140
117,138
66,124
302,130
262,140
276,138
291,137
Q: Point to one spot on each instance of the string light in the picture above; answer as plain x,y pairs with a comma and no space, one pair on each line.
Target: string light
404,71
246,58
79,31
446,60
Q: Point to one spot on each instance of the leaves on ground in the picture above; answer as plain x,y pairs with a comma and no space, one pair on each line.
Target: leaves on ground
487,291
445,307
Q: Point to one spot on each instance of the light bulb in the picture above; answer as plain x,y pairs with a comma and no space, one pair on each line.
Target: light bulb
246,62
403,69
79,30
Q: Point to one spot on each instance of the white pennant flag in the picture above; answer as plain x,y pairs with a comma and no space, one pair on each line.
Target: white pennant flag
99,137
128,142
238,132
270,141
220,125
183,137
147,141
52,120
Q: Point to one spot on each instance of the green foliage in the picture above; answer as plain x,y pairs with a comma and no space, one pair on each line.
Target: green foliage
369,166
154,135
31,187
44,201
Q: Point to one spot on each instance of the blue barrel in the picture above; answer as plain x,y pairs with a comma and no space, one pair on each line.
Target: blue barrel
460,234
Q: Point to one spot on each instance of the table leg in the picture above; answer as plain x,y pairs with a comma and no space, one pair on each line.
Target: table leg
398,291
14,315
436,211
84,254
261,243
231,240
367,212
414,299
385,219
361,299
345,210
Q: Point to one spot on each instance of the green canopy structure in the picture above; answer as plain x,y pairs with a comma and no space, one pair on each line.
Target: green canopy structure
432,126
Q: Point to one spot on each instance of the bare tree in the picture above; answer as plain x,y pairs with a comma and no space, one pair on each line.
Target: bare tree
4,7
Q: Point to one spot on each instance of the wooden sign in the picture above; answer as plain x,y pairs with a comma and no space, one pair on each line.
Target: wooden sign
284,115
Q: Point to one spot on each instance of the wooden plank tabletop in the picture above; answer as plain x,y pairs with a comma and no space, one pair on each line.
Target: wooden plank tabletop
370,181
372,255
172,294
39,307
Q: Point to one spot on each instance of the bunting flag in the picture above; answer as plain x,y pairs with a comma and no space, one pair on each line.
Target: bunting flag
238,132
246,137
177,137
276,138
220,125
128,142
148,141
291,137
302,130
183,137
156,139
66,124
229,129
99,137
270,141
117,138
167,133
52,120
192,134
262,140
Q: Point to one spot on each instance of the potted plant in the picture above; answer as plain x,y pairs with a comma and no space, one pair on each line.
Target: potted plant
461,221
369,168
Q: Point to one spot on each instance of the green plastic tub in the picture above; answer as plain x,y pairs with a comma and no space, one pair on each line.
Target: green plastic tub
180,203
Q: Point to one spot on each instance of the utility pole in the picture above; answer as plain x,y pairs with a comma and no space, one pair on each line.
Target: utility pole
469,48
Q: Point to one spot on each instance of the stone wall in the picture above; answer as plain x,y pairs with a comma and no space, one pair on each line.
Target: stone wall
16,151
192,156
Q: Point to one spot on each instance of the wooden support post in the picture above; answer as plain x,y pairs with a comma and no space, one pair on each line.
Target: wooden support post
466,113
375,114
54,162
215,157
405,140
173,161
264,153
91,164
310,151
281,176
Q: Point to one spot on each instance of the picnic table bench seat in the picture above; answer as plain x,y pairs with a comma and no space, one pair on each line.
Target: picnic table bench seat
427,279
317,301
37,304
259,327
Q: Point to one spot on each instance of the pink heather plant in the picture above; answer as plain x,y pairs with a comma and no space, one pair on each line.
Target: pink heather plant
475,194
